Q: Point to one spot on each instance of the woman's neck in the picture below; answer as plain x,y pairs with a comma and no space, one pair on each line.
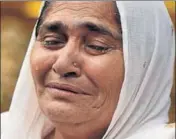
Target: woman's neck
78,133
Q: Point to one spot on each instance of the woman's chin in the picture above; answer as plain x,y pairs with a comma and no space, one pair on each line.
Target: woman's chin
63,112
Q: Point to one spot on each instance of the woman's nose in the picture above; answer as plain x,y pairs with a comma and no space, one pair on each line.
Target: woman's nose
67,64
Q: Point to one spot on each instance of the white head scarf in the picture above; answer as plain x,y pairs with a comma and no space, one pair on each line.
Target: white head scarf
142,110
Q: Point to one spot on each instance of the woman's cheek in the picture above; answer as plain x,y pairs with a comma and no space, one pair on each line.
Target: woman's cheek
41,63
107,73
102,68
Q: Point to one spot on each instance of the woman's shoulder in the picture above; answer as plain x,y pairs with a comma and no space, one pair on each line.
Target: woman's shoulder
157,132
171,125
170,130
4,120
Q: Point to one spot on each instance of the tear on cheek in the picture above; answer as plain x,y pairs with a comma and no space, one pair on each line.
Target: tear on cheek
42,64
36,68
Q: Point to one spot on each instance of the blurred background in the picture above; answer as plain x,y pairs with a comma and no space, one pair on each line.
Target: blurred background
17,22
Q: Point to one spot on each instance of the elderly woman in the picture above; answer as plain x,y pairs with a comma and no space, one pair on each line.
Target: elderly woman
95,70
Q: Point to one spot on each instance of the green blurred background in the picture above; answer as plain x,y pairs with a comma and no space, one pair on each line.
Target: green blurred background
17,22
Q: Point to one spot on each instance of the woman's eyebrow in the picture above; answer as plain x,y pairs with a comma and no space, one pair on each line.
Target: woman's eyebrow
100,29
53,27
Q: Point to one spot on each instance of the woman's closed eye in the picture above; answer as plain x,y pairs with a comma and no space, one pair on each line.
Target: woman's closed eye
97,49
53,42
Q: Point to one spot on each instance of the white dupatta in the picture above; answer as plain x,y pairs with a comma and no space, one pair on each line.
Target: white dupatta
142,110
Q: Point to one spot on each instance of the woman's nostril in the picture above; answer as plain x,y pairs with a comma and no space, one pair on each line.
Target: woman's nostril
70,74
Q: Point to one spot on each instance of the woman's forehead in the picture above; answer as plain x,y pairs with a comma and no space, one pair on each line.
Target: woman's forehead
79,5
100,10
102,14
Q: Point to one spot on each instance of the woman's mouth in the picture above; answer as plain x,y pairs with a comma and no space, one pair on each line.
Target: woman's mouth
64,90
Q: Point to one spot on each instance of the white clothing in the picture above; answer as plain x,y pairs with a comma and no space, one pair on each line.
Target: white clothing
142,110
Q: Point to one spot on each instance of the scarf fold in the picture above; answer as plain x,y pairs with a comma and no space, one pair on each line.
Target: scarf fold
142,110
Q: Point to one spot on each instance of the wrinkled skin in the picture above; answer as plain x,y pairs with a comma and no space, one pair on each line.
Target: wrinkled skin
99,71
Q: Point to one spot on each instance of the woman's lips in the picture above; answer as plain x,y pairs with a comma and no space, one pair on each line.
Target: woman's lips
64,88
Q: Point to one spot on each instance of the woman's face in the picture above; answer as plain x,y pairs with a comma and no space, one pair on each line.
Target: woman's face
77,63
